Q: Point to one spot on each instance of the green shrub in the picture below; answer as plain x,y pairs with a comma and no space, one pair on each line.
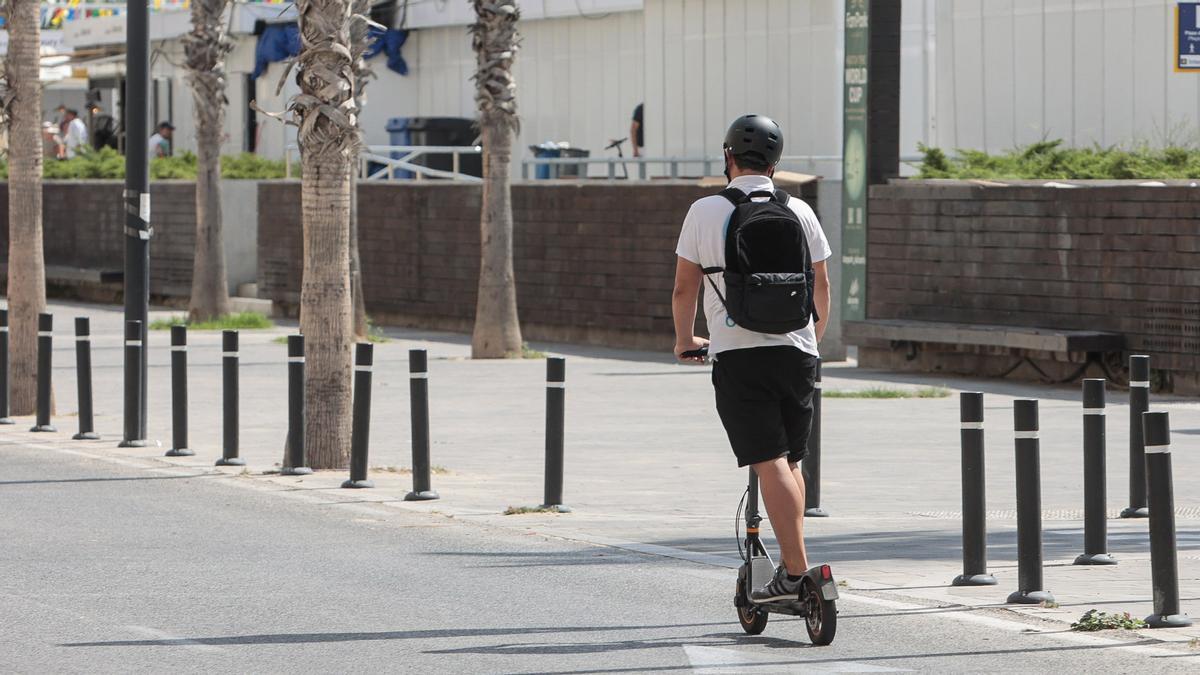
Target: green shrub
107,163
250,166
1048,160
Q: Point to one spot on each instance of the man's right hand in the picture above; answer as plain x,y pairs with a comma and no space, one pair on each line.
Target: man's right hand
691,344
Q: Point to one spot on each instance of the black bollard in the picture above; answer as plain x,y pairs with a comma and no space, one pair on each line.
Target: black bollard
45,346
360,435
1139,402
229,376
1030,589
1164,570
974,501
418,386
1095,527
83,378
133,386
810,467
556,396
179,394
295,464
4,410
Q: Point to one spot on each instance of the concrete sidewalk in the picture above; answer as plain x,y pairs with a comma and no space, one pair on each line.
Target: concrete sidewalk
648,466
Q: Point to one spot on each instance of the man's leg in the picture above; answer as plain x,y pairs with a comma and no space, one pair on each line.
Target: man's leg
783,495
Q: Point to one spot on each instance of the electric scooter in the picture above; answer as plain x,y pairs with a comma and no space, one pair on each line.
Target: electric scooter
817,600
616,143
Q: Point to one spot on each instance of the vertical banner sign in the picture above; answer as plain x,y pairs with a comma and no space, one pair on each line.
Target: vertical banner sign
1187,37
854,163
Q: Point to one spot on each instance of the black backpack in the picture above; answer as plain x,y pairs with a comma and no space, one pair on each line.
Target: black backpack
768,267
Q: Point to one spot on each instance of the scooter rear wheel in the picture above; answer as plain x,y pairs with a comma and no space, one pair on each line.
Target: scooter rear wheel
820,616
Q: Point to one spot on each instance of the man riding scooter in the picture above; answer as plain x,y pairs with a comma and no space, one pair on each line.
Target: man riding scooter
763,256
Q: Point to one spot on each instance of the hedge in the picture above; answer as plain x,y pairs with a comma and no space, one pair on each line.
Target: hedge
1047,160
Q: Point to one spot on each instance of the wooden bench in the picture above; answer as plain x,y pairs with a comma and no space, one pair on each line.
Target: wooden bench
1015,337
63,274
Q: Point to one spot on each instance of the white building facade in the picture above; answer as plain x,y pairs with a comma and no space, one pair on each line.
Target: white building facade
981,75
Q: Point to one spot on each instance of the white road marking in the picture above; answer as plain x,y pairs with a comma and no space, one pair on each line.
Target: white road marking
714,660
174,640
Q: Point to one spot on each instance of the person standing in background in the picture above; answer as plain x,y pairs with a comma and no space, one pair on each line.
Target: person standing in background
160,142
76,136
52,146
636,134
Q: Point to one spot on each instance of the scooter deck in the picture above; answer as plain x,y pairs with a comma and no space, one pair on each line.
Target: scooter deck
763,568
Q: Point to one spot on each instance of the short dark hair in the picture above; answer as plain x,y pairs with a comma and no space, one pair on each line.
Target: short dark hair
72,111
751,161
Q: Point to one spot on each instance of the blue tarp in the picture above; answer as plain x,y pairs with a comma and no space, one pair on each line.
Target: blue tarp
281,41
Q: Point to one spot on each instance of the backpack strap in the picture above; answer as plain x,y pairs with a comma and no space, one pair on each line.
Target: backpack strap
734,195
781,196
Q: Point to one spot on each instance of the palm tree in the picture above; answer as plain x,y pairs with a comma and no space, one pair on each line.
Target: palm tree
327,116
205,48
21,104
495,40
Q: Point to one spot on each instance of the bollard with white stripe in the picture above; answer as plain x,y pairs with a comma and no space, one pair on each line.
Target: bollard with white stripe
360,434
810,467
1030,589
4,411
179,394
556,396
1164,568
418,386
1095,529
295,462
83,379
974,500
1139,403
229,377
44,352
133,386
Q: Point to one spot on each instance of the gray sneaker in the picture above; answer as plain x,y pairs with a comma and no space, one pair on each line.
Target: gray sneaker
780,588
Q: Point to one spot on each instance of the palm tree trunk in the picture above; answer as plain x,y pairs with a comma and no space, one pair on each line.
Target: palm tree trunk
206,46
495,40
327,115
325,311
497,328
26,267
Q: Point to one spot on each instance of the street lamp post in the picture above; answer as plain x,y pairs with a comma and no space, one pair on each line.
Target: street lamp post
137,196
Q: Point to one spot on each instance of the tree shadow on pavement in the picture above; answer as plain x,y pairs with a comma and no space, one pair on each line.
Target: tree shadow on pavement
52,481
316,638
519,559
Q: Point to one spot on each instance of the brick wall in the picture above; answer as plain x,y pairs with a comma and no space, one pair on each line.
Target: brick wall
1110,256
83,226
594,261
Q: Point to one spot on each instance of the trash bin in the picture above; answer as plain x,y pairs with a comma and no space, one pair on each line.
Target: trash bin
446,131
573,170
564,170
542,150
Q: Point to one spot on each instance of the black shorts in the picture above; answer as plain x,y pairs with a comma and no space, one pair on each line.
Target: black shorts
764,398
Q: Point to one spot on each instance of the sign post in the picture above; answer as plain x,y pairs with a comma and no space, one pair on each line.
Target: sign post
1187,37
854,161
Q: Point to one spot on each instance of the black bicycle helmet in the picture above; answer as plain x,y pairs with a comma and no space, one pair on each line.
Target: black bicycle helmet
755,135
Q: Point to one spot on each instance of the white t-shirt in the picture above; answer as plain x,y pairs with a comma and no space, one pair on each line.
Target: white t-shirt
702,242
77,137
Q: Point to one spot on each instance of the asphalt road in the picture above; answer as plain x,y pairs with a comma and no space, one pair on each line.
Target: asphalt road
114,568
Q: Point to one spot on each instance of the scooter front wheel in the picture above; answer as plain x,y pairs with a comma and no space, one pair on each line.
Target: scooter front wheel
820,616
752,619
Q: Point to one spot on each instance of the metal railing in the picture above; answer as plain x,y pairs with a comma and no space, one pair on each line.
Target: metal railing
389,159
710,166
